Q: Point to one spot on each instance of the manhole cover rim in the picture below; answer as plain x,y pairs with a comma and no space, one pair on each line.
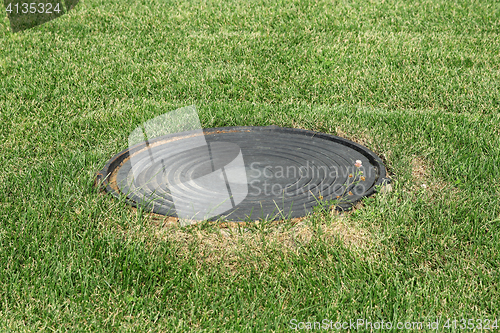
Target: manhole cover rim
104,177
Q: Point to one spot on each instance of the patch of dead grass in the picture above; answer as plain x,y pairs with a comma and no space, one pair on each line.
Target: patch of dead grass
422,172
237,244
361,138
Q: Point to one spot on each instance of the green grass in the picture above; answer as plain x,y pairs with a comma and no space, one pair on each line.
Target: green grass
417,81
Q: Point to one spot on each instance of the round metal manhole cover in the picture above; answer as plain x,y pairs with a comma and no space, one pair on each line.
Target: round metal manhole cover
242,173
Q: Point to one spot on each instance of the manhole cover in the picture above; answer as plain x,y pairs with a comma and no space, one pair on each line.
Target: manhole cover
242,173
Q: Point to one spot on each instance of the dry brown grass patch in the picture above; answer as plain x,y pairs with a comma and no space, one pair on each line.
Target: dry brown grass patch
236,244
422,173
240,244
361,138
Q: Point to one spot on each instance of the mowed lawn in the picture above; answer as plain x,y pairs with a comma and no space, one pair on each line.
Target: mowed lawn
417,82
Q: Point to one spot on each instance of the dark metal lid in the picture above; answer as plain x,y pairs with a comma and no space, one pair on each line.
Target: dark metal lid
288,171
